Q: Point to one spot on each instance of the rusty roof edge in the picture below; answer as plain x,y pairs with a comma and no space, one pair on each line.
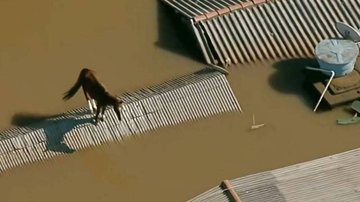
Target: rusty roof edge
229,9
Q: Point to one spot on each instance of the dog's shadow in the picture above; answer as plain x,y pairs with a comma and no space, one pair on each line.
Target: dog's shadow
54,126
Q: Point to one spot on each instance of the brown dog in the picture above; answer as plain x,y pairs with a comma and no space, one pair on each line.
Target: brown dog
93,89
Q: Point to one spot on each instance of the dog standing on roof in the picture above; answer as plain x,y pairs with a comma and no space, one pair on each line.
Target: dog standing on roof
96,95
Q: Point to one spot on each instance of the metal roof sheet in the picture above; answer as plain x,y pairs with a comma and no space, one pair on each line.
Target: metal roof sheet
333,178
190,97
261,30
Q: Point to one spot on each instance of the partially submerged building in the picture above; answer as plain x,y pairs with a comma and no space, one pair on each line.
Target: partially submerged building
240,31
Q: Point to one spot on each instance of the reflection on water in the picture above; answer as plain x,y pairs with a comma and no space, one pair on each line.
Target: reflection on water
46,43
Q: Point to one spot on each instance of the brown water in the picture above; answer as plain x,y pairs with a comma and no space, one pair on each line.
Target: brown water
44,45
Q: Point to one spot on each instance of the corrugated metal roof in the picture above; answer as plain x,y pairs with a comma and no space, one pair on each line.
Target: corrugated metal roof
275,29
190,97
332,179
201,9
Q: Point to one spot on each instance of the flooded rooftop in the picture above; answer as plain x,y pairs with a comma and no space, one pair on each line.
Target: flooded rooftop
133,45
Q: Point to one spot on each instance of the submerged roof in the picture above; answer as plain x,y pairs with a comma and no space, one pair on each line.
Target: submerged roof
248,31
190,97
333,178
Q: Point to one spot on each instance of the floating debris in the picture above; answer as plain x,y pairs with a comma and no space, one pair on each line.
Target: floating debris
256,126
355,119
347,121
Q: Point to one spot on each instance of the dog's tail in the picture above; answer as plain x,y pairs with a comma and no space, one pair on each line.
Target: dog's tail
71,92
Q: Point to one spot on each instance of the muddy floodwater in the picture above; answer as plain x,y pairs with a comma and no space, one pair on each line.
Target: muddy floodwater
134,44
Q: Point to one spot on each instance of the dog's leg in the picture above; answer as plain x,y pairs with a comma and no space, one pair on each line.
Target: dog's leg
97,114
91,107
89,100
103,113
93,102
117,111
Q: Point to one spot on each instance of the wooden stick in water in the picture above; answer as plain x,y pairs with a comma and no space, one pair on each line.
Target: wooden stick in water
256,126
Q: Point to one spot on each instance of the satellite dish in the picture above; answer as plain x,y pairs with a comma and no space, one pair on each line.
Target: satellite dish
348,32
